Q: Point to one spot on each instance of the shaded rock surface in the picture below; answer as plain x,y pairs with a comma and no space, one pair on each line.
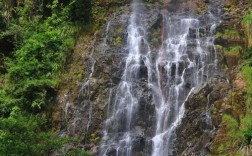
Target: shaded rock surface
197,128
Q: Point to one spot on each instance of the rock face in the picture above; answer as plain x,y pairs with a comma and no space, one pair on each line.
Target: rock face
85,102
203,130
197,129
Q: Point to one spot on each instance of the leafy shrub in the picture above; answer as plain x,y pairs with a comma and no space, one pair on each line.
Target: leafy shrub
23,135
42,44
247,54
248,17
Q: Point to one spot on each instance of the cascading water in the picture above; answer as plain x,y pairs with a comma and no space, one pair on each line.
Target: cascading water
126,103
186,59
178,70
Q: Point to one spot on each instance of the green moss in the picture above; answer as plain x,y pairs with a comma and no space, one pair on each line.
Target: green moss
149,3
235,49
155,36
237,136
228,34
218,46
247,71
118,40
234,2
247,25
248,17
154,40
231,32
226,9
94,138
218,34
78,152
120,29
221,148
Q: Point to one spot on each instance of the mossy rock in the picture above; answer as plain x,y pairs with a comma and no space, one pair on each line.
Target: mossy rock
118,41
228,34
232,60
235,49
201,8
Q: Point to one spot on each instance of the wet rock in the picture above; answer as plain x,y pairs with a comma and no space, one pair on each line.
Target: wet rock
226,17
195,132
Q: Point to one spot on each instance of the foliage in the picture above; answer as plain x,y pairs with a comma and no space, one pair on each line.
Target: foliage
248,17
42,43
118,40
233,127
228,33
246,126
32,73
235,49
42,34
247,25
23,135
234,2
247,54
78,152
2,23
149,2
238,134
247,71
239,129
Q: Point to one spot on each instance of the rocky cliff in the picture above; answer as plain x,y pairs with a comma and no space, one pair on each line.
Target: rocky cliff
95,70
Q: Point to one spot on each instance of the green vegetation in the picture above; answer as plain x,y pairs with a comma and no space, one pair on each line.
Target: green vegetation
22,134
234,2
239,135
42,34
248,17
218,46
228,33
239,131
235,49
78,152
247,70
118,40
247,25
247,56
149,2
39,36
246,122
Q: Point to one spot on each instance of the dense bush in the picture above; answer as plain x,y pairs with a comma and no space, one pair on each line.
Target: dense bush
21,134
42,40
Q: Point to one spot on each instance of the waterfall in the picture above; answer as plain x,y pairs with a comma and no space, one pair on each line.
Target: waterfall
186,58
177,71
126,103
